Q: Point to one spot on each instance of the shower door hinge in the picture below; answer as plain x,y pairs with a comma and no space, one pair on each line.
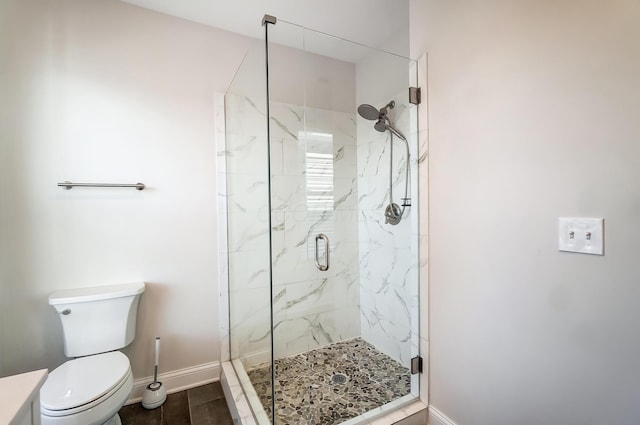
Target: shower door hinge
416,365
415,95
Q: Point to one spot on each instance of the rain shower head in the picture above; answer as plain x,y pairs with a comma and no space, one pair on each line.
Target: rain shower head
369,112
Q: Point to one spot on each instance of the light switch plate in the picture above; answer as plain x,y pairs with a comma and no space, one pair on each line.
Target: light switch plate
583,235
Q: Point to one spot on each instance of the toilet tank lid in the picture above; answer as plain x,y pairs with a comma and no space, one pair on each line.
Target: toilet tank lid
96,293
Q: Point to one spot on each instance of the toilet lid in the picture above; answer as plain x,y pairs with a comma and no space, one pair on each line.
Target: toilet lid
82,380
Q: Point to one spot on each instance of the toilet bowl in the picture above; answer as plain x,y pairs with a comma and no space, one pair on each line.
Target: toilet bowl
91,388
87,391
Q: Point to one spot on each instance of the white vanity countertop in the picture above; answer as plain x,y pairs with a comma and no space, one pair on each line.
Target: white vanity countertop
17,391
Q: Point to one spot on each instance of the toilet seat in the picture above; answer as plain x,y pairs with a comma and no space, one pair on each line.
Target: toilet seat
83,383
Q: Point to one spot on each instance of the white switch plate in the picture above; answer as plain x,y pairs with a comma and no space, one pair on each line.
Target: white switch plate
584,235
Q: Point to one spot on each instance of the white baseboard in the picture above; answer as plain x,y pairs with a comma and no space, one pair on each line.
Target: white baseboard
436,417
178,380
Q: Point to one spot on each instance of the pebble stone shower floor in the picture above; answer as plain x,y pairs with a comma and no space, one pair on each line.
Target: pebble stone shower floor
307,390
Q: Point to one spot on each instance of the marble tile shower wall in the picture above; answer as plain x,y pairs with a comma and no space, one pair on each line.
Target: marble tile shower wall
313,164
247,230
388,255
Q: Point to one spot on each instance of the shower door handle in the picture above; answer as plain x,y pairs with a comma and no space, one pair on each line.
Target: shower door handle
322,267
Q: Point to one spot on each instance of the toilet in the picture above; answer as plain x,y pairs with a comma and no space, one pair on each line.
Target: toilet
91,388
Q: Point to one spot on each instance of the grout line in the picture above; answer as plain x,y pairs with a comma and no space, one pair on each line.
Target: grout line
189,406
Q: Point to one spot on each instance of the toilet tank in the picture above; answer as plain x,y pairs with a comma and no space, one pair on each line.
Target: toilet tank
97,319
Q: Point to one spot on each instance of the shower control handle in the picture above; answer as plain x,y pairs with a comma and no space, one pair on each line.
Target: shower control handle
322,267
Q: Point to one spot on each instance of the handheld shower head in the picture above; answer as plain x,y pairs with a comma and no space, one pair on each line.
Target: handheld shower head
381,125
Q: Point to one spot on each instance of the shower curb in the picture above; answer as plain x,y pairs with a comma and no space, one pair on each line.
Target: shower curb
234,396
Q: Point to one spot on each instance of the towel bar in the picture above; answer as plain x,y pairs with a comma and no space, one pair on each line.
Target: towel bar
68,185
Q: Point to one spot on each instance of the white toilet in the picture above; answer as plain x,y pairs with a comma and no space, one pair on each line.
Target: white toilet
91,388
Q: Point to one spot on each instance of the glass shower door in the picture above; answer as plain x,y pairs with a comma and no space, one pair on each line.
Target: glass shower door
344,287
246,196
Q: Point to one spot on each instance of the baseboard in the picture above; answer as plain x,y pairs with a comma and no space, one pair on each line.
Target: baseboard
436,417
178,380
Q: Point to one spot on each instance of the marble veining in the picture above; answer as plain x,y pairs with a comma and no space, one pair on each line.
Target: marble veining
314,190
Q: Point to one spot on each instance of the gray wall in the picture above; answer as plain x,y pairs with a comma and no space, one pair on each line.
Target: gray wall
534,114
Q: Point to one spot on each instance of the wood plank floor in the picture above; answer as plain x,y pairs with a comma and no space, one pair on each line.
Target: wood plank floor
203,405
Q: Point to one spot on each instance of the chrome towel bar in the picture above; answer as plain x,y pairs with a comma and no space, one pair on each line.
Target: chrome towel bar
68,185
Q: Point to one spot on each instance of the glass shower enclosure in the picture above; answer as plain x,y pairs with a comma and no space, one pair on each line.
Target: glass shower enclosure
322,267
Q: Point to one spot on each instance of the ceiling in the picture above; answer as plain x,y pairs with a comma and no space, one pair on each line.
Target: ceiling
377,23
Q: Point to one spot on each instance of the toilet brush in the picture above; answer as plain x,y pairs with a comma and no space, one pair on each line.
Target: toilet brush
155,394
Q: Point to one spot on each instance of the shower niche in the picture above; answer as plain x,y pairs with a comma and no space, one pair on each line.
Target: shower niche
323,297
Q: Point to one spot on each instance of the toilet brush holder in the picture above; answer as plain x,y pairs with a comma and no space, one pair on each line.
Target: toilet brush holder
155,394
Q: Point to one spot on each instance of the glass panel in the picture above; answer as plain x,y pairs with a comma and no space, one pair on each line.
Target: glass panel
342,337
248,225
